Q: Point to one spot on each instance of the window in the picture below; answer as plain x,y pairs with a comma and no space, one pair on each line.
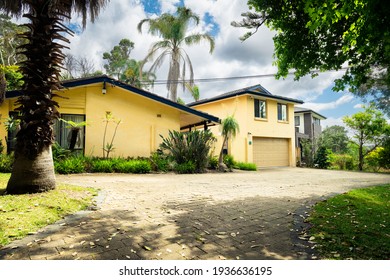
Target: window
68,137
260,109
282,112
297,121
316,121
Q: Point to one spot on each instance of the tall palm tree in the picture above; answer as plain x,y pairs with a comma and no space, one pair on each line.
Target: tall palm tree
194,90
172,29
33,169
230,128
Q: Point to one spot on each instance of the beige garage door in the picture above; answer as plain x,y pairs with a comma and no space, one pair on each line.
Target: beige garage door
268,152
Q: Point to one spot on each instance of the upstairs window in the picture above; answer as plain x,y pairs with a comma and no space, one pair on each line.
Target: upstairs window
282,112
260,109
316,121
297,121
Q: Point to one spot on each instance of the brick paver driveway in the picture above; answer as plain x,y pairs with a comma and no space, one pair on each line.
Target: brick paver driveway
239,215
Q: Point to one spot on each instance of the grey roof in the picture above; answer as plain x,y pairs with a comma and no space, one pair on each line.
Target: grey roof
306,110
256,90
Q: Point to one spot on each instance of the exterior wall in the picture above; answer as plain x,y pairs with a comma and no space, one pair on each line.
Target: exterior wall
142,120
241,147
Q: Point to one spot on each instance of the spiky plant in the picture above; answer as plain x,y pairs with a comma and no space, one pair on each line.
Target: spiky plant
33,169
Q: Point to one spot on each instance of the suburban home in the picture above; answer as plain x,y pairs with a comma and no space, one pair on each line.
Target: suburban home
267,132
102,102
307,126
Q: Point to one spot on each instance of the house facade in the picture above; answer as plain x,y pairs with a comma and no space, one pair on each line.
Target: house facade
267,132
102,103
307,126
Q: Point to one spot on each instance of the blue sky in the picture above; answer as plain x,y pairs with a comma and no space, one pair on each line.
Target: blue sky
231,57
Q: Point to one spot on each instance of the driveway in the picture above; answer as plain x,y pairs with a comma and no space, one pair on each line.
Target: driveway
239,215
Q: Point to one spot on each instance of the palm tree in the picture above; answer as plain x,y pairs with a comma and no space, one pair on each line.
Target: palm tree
172,29
194,90
230,128
33,169
134,76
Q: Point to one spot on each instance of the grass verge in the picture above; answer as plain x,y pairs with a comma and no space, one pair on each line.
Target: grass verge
21,215
354,225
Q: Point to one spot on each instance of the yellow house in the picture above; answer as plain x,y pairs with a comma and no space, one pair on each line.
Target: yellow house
142,117
267,132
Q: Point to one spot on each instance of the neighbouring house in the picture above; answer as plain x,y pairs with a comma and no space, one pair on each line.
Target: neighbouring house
307,126
144,117
267,132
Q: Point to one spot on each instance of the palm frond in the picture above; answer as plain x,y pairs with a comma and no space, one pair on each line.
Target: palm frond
197,38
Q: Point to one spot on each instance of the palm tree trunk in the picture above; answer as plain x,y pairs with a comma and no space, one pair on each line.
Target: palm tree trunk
32,175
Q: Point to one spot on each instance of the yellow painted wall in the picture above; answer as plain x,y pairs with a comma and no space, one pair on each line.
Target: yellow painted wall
243,109
142,119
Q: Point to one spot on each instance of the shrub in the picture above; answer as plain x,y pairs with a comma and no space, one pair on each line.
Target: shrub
59,153
213,162
373,159
102,166
185,168
229,161
159,162
321,159
71,165
6,162
246,166
133,166
342,162
186,147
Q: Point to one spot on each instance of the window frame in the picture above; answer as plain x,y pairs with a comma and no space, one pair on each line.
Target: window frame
297,123
262,114
280,107
60,129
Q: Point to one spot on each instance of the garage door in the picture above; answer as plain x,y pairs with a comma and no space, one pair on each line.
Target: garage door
268,152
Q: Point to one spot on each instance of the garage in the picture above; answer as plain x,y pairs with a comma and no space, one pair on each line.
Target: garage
270,152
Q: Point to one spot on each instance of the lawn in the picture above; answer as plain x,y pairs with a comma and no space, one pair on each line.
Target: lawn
354,225
21,215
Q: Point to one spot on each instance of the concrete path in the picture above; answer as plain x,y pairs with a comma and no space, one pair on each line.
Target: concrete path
239,215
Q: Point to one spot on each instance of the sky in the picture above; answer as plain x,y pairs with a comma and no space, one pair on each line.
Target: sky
231,57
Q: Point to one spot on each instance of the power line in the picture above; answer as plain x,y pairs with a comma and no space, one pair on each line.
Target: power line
220,79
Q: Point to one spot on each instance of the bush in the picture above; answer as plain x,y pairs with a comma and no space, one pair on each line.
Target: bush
342,162
246,166
71,165
213,162
102,166
321,159
185,168
159,162
59,153
6,162
229,161
189,147
133,166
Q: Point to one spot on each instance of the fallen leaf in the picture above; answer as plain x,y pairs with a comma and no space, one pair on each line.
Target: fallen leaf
147,248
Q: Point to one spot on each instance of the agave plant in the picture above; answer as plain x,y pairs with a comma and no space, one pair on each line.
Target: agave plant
33,169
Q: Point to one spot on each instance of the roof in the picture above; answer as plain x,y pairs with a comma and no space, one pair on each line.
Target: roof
149,95
306,110
256,90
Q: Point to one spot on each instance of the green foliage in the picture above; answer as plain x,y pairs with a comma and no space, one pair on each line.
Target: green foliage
373,159
6,162
321,158
133,166
229,161
108,147
70,165
384,155
324,35
159,162
353,225
185,168
342,162
59,153
335,139
13,76
246,166
118,58
173,30
307,152
102,166
369,127
213,162
186,147
229,129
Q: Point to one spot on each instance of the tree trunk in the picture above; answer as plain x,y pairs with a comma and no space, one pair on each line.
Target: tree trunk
361,157
221,165
31,176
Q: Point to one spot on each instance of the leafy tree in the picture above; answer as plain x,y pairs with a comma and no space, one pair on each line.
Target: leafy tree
324,35
173,31
134,76
118,58
33,169
370,129
334,138
321,158
230,128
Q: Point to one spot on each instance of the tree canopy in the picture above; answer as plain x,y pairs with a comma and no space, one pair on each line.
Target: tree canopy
334,138
329,35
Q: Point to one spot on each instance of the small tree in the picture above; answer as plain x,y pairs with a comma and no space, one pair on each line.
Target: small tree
230,128
108,147
321,158
370,128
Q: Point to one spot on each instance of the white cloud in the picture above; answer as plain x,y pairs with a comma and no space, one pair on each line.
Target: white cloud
344,99
358,106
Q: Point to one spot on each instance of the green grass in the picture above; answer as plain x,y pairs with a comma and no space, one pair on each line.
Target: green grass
355,225
21,215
